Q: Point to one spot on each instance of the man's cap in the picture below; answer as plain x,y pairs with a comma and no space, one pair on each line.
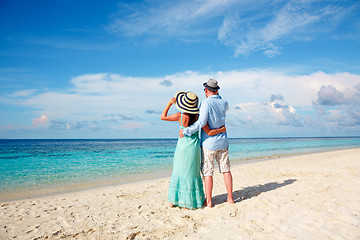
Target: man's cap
212,85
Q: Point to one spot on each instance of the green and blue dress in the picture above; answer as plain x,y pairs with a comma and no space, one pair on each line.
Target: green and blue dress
186,187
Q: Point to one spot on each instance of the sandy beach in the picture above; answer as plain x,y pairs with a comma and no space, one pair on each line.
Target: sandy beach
314,196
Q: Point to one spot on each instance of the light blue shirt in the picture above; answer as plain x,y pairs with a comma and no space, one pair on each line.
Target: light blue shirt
212,112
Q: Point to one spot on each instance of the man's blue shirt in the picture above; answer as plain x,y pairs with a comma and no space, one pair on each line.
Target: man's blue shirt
212,112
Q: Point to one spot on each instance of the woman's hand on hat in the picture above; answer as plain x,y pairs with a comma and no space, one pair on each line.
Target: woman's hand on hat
172,101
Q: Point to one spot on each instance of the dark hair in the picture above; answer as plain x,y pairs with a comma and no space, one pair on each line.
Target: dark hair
193,118
214,91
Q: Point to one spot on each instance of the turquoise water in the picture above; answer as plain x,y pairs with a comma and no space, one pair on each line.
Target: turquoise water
37,164
261,148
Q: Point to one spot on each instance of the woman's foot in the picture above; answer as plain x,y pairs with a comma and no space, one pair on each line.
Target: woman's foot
171,205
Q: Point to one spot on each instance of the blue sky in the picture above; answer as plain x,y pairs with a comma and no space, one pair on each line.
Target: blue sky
92,69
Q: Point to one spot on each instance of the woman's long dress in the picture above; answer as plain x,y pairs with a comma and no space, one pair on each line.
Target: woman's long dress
186,187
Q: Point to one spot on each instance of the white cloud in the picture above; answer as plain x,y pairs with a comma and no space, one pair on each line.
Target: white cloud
328,95
23,93
265,114
72,125
165,18
257,98
133,125
278,97
246,26
40,121
331,96
166,83
284,21
340,107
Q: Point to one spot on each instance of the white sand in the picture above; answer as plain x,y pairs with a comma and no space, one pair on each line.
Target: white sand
306,197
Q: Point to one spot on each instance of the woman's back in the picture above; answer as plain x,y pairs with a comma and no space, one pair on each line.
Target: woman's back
188,119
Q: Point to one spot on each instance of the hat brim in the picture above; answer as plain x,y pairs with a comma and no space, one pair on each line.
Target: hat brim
183,106
211,88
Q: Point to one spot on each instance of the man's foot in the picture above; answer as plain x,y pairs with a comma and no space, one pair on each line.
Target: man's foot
230,200
208,204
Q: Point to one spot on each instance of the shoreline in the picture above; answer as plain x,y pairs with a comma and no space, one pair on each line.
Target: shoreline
54,190
312,196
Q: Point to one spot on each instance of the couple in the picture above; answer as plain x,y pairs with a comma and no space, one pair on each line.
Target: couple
186,188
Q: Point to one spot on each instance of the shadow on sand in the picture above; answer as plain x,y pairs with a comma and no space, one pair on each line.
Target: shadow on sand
253,191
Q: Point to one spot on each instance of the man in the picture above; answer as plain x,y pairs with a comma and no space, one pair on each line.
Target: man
213,112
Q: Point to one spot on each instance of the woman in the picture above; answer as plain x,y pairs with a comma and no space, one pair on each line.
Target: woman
186,188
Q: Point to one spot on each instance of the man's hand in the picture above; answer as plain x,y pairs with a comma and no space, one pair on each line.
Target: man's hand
181,135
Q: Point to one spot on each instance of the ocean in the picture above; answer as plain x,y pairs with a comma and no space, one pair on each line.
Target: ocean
30,168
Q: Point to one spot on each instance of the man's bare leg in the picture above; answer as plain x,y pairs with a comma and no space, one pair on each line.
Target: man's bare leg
208,182
229,186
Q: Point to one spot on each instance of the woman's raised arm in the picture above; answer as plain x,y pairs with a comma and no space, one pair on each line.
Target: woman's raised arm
173,117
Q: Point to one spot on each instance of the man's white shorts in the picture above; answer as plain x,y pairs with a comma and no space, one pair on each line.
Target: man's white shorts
207,161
